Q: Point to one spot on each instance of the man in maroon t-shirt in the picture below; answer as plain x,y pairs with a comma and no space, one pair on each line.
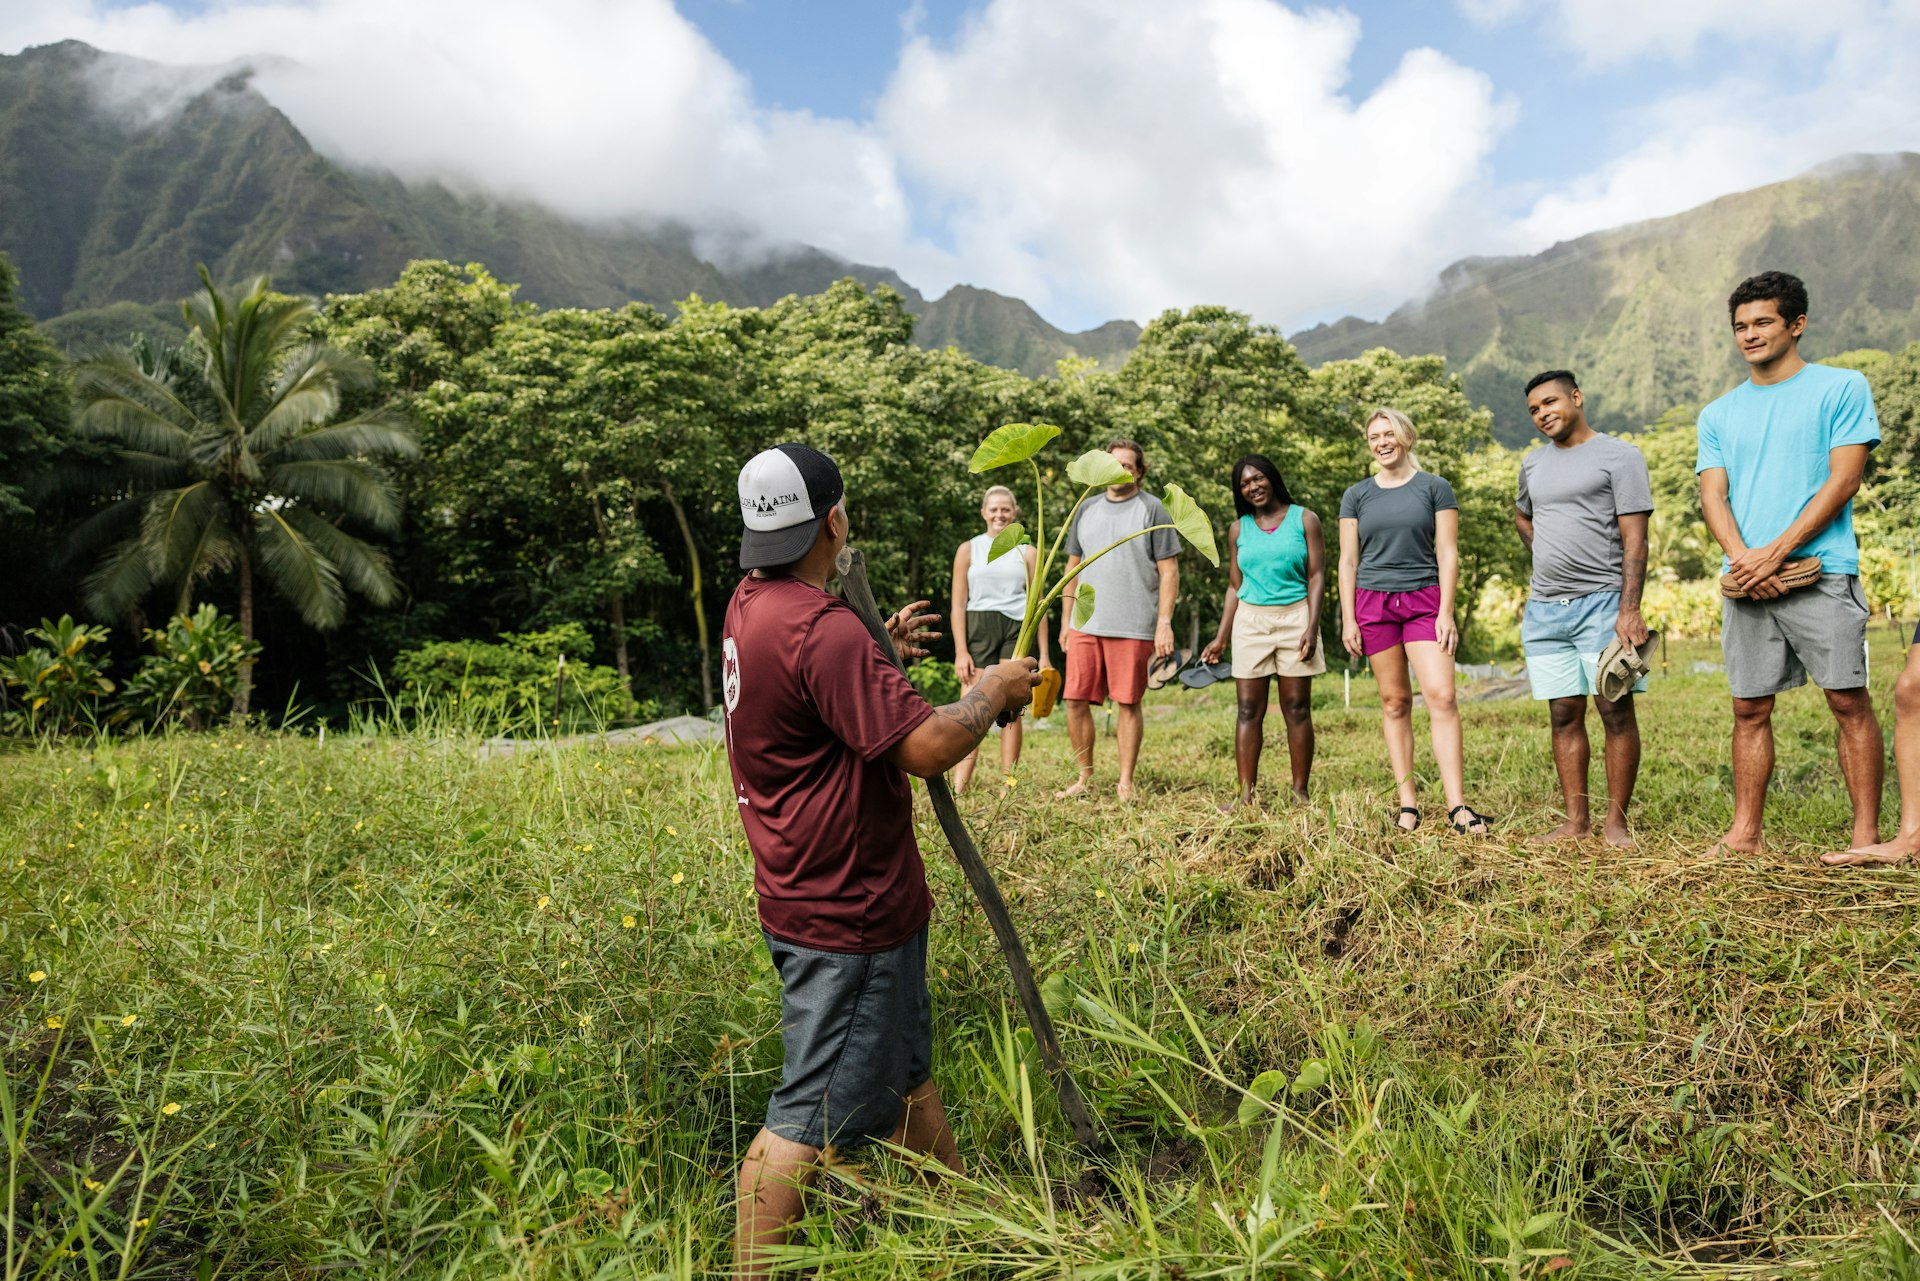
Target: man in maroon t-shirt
822,731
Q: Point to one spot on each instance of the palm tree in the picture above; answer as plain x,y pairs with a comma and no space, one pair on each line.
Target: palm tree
229,453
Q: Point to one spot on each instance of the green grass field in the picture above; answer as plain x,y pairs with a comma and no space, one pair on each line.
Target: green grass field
385,1004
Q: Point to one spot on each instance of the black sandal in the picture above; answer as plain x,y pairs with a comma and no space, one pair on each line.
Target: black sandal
1474,816
1407,809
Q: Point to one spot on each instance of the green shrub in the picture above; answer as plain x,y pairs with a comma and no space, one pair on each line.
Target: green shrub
509,685
194,671
59,683
935,680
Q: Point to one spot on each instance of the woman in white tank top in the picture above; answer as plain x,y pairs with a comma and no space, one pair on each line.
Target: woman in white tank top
989,603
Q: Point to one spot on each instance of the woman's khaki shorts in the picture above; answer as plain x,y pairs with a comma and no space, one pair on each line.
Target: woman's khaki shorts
1266,641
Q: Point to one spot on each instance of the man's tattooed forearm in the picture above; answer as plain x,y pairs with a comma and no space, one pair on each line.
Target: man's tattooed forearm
974,713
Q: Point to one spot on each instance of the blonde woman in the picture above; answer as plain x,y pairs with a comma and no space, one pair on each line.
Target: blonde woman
1399,569
989,602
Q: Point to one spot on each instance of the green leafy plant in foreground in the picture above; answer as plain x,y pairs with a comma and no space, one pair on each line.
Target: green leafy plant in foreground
59,682
193,674
1093,471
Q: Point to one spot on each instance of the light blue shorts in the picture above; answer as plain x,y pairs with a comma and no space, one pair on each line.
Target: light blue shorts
1564,639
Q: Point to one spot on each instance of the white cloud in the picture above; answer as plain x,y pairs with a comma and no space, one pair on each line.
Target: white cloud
1750,123
600,108
1141,155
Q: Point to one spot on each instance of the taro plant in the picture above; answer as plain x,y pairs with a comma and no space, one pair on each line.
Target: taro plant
1092,471
193,675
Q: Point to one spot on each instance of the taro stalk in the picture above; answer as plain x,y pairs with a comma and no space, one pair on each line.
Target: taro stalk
1094,471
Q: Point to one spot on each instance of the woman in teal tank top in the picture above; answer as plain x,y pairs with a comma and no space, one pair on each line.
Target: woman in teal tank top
1276,580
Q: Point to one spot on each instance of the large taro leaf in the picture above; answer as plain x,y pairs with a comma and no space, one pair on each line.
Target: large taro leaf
1013,443
1083,605
1191,523
1008,539
1098,468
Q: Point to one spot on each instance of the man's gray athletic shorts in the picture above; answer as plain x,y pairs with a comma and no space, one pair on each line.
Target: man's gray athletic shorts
1819,630
858,1032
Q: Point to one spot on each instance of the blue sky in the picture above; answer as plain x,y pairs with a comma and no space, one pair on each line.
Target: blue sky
1099,158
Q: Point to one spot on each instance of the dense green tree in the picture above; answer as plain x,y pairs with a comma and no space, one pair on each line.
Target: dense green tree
33,399
232,454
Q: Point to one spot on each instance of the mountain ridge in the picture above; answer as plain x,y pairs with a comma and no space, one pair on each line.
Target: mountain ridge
1638,311
104,212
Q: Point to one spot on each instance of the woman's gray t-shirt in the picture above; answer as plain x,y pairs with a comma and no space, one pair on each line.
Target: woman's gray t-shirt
1396,530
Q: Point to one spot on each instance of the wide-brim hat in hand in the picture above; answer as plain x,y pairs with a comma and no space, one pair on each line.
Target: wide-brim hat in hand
1162,670
1620,668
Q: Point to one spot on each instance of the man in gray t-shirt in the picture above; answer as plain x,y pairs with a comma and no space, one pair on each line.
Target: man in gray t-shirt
1134,587
1582,509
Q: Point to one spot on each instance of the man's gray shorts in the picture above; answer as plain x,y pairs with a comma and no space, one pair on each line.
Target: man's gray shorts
858,1032
1819,630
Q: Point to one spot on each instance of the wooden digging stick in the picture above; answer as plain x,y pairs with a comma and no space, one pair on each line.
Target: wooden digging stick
853,580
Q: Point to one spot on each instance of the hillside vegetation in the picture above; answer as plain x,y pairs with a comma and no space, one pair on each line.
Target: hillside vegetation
103,205
1639,311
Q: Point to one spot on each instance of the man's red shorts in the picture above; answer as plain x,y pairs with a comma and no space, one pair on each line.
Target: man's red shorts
1099,667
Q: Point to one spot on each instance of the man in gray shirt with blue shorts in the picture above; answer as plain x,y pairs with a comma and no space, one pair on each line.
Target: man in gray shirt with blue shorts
1582,509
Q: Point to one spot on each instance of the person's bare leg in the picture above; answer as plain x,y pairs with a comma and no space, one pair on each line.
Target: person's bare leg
1080,731
1010,738
963,772
1396,723
1296,706
1906,759
923,1128
1249,736
773,1180
1572,754
1863,759
1752,770
1130,725
1434,666
1622,726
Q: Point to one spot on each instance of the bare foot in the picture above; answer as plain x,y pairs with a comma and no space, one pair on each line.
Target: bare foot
1238,801
1123,791
1300,795
1079,788
1567,831
1897,850
1619,837
1731,844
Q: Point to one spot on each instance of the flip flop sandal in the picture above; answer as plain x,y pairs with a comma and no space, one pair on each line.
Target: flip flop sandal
1407,809
1474,816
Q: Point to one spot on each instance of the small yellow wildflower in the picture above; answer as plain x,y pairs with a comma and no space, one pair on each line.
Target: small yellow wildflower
359,823
1099,893
55,1022
626,922
1011,781
587,848
130,1020
1133,949
92,1185
142,1222
679,877
544,900
586,1020
671,830
38,976
169,1109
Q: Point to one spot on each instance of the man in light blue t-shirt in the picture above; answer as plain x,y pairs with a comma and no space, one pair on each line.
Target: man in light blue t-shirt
1781,456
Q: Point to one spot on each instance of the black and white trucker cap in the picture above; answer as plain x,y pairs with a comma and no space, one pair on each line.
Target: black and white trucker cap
785,492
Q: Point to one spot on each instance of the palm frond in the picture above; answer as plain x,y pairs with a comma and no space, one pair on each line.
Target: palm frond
117,401
360,565
112,523
122,578
186,530
298,570
127,471
379,433
352,487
